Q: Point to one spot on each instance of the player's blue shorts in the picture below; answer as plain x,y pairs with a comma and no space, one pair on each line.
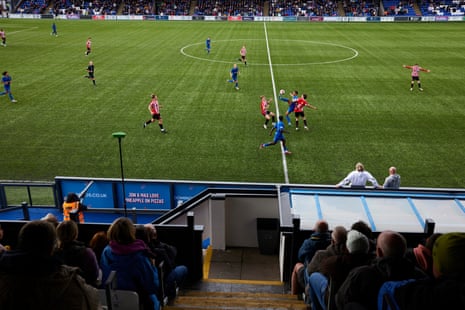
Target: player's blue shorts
291,108
278,137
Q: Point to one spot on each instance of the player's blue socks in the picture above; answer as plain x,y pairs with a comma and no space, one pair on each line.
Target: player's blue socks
283,99
9,95
288,119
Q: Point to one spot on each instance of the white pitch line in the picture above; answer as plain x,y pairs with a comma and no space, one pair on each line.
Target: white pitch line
286,172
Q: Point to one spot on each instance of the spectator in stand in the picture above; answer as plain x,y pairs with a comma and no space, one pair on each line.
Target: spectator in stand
50,217
422,255
174,275
337,247
130,258
363,227
31,278
320,239
393,180
362,285
98,242
74,253
2,247
358,178
337,267
447,289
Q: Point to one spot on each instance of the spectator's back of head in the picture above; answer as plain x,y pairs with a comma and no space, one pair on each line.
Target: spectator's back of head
362,227
357,242
37,237
98,242
122,231
67,231
391,244
321,226
339,235
50,217
152,231
449,254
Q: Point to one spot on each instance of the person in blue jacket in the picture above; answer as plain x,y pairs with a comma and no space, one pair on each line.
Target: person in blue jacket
130,258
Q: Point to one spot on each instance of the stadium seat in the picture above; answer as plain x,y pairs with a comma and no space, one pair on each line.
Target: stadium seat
113,299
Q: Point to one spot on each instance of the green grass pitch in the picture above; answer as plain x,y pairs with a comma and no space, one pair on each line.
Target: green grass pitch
352,72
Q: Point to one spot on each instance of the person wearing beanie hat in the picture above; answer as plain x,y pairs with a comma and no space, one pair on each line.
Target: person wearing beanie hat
446,290
449,254
357,242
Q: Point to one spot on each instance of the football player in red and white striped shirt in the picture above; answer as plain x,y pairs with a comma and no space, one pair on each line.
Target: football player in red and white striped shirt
154,108
416,75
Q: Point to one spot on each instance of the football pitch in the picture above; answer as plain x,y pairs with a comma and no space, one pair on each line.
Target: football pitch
352,72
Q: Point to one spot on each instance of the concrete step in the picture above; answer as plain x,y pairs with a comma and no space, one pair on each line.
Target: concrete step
235,300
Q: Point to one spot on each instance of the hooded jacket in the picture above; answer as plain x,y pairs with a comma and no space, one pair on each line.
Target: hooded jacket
134,270
29,281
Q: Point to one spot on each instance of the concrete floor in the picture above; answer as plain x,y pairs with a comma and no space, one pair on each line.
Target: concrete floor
241,270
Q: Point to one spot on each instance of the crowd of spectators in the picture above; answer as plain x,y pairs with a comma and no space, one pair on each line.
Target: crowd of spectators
229,7
78,7
172,7
442,7
138,7
60,272
303,8
350,269
363,8
357,8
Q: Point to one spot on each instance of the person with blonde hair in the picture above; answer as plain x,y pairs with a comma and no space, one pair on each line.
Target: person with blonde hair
359,178
129,257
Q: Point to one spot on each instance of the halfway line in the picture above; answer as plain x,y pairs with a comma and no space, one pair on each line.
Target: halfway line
270,64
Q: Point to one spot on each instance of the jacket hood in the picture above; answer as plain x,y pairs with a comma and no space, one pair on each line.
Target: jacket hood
124,249
21,262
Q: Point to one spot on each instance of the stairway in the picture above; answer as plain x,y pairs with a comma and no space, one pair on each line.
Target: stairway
238,278
235,300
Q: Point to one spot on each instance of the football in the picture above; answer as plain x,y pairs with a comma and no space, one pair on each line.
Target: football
282,92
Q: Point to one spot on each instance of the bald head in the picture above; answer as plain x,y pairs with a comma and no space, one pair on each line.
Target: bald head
392,170
390,244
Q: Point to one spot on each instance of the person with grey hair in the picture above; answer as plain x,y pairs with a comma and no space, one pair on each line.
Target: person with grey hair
359,178
337,247
392,181
362,284
335,269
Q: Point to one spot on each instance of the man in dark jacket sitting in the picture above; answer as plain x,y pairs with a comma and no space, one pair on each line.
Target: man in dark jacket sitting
363,283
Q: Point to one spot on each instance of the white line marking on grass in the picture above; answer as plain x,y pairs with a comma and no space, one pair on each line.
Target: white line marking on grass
17,31
273,83
354,55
